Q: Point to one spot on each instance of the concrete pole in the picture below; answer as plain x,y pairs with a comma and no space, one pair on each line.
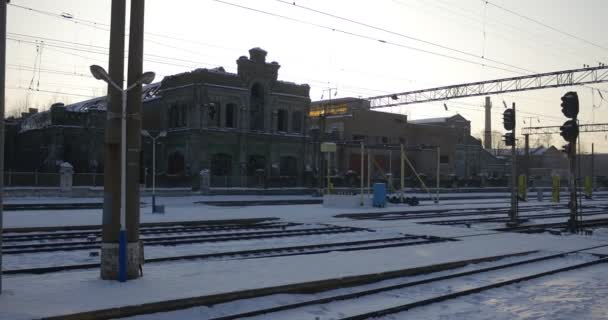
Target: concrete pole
122,235
111,206
2,96
136,47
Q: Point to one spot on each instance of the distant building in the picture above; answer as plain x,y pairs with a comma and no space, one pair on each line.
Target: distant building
350,121
246,128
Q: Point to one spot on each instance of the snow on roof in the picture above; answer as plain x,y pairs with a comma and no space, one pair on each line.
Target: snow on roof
429,120
35,121
149,92
456,117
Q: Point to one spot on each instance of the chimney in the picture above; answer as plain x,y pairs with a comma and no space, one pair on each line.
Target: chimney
487,139
257,55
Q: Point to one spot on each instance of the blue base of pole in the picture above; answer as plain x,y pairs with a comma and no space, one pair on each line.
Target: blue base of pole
153,203
122,256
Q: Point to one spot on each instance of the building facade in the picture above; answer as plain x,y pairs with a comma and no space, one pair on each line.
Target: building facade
246,128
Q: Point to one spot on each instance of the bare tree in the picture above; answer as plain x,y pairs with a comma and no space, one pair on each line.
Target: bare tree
17,108
497,140
541,140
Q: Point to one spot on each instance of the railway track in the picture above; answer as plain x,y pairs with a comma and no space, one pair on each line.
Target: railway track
382,300
23,237
506,219
407,240
178,240
531,228
446,213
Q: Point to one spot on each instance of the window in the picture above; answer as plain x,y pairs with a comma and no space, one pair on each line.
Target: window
282,120
177,116
256,107
444,159
296,121
230,114
213,110
384,139
173,116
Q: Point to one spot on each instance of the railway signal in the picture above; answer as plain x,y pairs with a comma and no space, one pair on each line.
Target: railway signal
569,131
570,105
509,119
509,139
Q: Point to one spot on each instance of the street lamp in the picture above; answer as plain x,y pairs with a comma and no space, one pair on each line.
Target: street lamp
162,134
100,74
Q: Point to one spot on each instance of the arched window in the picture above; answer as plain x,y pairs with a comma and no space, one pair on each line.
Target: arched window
256,111
221,164
230,115
296,121
282,120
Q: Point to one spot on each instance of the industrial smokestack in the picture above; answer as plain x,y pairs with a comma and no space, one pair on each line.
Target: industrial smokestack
487,139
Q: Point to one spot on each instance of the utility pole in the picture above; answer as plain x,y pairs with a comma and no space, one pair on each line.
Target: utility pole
134,105
112,194
573,188
570,132
514,199
509,123
322,126
2,95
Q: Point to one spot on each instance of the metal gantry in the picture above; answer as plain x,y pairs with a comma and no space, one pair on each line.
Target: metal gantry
590,127
522,83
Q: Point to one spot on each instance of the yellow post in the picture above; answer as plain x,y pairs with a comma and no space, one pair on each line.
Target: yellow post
588,187
556,189
523,187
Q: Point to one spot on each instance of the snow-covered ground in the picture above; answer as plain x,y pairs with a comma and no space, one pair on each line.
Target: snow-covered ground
35,296
386,299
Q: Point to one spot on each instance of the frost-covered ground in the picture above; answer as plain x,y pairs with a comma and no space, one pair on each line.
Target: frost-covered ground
339,309
35,296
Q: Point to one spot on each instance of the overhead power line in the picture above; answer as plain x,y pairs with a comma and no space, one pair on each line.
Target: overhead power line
546,25
366,37
50,92
401,35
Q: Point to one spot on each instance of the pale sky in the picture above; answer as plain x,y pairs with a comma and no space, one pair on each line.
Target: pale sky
182,35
